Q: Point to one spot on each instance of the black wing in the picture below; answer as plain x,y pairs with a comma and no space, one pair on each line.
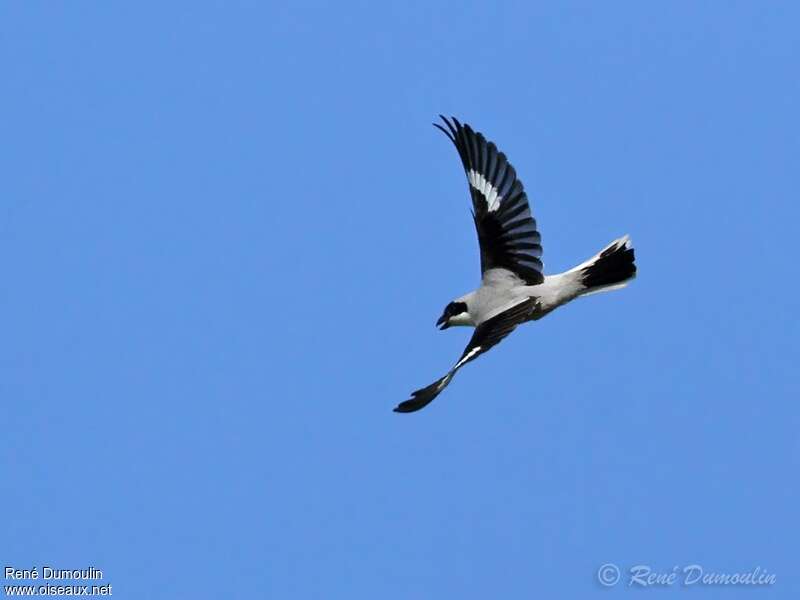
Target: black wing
506,228
487,334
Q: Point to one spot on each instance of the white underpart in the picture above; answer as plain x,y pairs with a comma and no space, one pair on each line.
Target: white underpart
559,289
467,356
480,183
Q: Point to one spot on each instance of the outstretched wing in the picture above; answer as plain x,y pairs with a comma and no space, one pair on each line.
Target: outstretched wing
507,231
487,334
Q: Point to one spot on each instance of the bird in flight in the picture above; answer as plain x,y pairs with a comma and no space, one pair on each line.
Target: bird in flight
514,288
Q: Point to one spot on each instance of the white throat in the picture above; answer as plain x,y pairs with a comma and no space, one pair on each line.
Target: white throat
461,319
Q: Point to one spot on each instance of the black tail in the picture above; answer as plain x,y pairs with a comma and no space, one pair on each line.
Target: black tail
611,269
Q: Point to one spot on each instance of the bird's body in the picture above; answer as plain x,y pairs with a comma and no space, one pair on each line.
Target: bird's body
513,287
501,290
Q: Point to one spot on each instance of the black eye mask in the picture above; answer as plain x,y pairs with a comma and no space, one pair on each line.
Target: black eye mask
455,308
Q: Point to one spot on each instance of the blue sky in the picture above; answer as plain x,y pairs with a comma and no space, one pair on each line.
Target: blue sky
227,229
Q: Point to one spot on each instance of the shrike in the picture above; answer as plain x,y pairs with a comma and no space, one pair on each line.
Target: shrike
513,287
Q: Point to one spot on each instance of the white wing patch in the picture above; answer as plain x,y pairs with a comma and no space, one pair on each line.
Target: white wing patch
443,383
484,186
467,356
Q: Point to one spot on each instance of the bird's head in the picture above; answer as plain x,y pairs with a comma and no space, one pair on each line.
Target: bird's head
455,313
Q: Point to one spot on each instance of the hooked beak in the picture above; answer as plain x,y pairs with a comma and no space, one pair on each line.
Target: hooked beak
442,323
